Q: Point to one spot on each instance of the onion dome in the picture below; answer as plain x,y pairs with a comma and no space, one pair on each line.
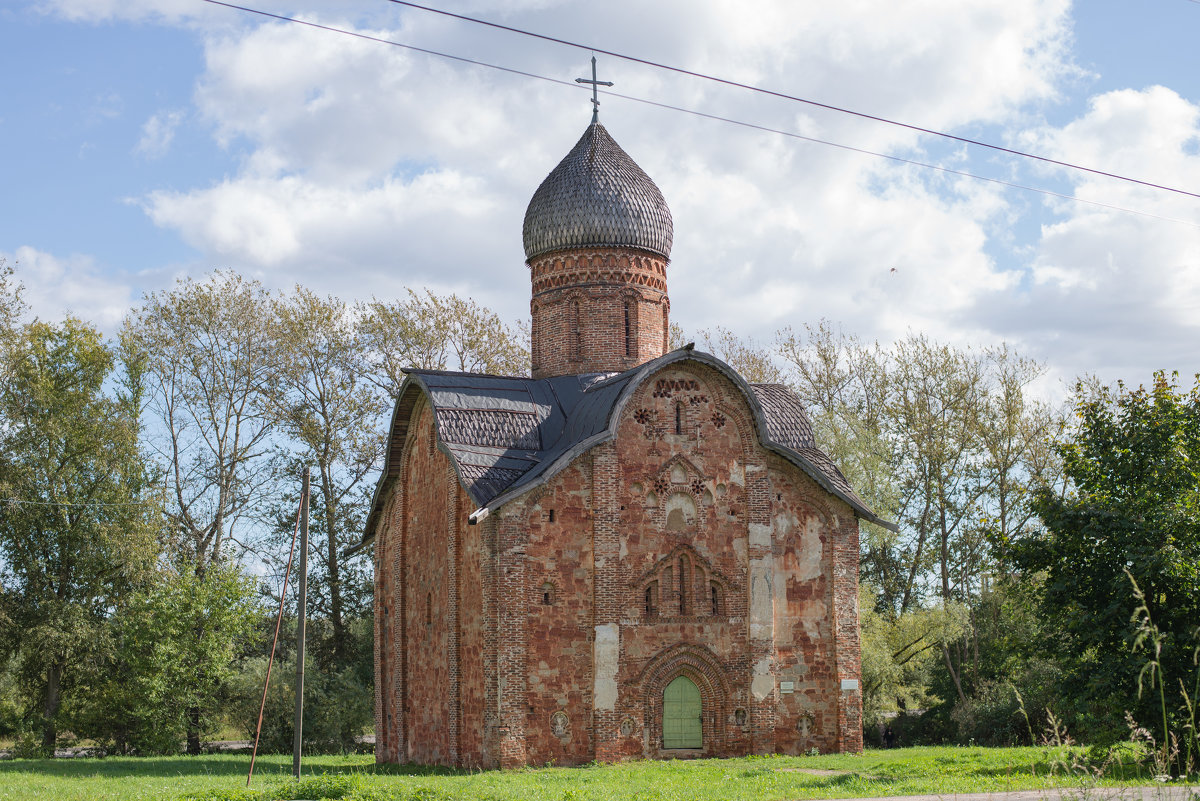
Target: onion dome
597,197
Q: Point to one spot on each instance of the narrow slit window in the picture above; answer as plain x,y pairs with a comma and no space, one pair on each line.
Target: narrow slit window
628,329
684,576
551,515
429,609
679,418
576,331
547,594
652,599
716,600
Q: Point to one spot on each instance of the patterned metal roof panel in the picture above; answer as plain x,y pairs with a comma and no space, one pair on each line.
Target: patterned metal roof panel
818,459
508,434
787,422
597,196
490,428
488,480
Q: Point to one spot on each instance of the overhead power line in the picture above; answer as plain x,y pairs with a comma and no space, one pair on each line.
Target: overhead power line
705,115
796,99
85,504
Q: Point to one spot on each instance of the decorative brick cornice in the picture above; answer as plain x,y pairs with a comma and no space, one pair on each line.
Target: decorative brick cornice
605,267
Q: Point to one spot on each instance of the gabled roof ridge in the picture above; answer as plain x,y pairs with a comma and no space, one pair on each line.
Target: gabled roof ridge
569,424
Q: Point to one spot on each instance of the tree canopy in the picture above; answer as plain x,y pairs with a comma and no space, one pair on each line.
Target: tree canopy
78,522
1131,510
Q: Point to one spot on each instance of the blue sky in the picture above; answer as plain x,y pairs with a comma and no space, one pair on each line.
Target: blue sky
150,139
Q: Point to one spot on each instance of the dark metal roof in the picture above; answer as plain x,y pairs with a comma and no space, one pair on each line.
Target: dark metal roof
597,196
787,422
507,435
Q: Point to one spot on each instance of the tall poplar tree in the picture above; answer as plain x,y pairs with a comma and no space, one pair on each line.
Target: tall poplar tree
210,360
331,414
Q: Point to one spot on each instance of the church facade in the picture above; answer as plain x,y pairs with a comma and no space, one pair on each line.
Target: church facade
631,553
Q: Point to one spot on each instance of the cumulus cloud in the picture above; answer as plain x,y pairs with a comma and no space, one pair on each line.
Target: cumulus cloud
1116,292
380,164
57,287
364,168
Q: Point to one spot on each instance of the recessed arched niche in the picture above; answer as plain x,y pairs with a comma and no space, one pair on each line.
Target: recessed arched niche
681,512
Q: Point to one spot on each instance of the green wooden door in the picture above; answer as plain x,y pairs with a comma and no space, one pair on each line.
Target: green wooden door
681,715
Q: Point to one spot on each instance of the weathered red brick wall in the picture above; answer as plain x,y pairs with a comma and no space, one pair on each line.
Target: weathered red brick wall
809,526
682,447
428,615
558,597
388,570
597,310
472,623
846,630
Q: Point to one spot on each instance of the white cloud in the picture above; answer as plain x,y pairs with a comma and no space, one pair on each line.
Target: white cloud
1112,292
340,239
369,161
57,287
157,134
364,168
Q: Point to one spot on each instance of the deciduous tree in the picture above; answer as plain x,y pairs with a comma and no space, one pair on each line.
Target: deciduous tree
78,522
1132,458
433,332
210,359
331,414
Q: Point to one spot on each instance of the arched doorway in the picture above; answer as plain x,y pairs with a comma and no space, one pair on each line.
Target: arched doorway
682,714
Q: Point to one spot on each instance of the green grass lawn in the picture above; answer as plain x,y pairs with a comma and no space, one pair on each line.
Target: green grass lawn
222,776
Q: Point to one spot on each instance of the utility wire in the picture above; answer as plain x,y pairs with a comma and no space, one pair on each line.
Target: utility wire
17,501
754,126
902,160
794,98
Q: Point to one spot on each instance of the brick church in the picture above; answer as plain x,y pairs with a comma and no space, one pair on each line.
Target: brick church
634,552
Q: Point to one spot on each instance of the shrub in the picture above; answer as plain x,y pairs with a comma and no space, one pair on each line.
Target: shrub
338,707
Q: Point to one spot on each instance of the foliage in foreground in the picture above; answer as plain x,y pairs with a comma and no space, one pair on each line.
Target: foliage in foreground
1126,539
77,530
173,661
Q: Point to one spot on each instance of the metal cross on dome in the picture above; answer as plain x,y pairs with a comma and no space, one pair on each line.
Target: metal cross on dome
595,94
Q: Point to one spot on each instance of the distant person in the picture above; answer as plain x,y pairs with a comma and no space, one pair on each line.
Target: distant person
889,737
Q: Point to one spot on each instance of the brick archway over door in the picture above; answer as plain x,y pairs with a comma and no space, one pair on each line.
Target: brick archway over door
701,667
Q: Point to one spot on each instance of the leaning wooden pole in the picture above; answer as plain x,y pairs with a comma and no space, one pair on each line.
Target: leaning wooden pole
271,661
301,604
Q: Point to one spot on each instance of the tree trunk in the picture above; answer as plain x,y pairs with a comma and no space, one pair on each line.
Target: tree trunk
50,705
944,537
193,730
954,674
914,567
336,623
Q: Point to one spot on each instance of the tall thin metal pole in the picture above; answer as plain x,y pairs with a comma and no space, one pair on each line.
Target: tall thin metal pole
274,642
302,603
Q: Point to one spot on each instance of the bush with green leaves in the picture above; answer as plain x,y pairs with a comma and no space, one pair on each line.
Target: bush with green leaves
338,706
175,645
1131,512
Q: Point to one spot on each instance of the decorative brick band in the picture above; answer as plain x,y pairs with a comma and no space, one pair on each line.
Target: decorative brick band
609,266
